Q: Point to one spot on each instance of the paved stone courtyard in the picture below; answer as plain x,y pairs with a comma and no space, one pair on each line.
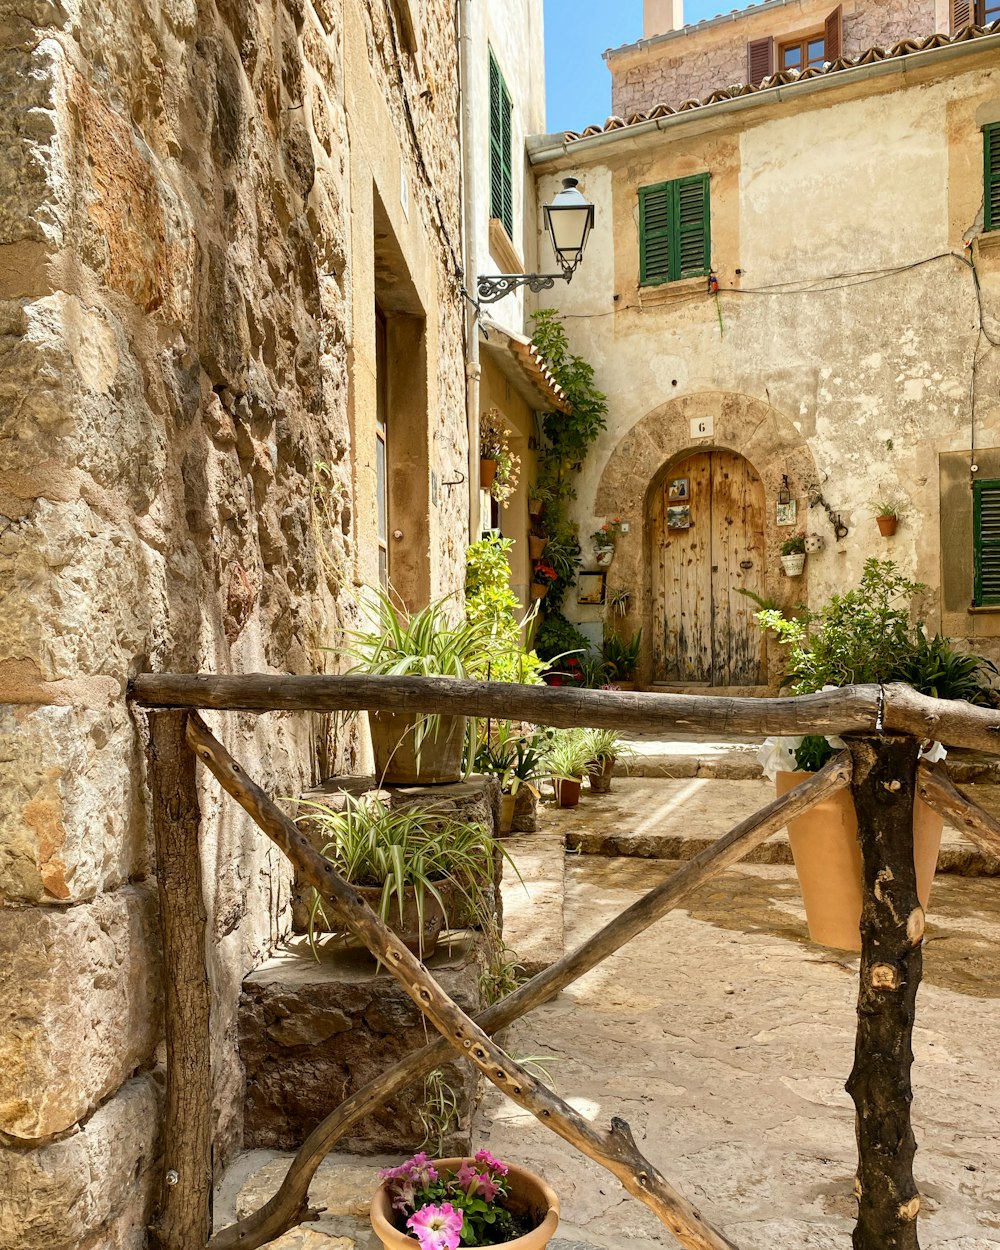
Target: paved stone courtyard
724,1037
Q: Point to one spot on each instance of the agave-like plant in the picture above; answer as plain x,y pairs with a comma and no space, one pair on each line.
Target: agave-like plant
420,644
371,844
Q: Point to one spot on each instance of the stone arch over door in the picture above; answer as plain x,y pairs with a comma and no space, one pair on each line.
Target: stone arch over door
636,469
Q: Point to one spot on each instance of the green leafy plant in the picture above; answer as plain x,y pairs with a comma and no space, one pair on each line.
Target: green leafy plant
937,668
439,1111
813,752
607,744
512,757
886,507
557,637
568,755
490,602
794,545
621,655
494,444
616,601
607,535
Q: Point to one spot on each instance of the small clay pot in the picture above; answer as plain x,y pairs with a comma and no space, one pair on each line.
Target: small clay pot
793,564
567,790
600,778
537,546
487,473
507,802
887,525
539,590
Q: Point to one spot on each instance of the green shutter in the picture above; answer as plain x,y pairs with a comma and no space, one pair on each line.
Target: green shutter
986,536
501,148
674,235
991,179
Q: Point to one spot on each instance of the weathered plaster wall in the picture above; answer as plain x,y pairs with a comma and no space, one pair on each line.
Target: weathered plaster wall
185,434
697,60
869,380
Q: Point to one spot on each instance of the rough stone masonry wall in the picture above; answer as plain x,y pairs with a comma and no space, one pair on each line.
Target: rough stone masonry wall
174,345
709,59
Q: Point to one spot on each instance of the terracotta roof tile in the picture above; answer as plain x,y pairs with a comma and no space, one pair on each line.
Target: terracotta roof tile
905,47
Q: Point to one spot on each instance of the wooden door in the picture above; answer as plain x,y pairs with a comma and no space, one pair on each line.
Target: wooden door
704,631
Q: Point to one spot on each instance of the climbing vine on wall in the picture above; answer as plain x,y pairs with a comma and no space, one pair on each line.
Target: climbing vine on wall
567,440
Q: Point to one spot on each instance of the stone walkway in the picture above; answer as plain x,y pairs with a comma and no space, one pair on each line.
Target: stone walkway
724,1038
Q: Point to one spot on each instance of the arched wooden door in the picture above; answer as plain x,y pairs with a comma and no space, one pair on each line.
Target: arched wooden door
707,529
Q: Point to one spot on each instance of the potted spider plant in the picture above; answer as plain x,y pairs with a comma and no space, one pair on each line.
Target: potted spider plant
886,517
863,635
566,760
414,748
447,1203
421,870
514,759
606,747
621,658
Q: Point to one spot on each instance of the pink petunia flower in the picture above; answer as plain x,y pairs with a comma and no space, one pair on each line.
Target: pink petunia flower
437,1228
484,1158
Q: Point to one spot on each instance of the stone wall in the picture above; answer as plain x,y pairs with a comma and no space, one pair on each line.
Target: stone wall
183,459
705,58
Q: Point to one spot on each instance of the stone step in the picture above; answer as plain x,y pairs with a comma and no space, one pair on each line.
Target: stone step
657,818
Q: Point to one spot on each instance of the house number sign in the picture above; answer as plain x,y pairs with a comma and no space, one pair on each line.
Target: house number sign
702,427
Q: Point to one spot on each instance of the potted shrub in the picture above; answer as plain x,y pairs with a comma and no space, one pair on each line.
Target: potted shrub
604,540
793,554
410,748
421,870
566,760
621,657
605,748
514,759
447,1203
864,635
886,517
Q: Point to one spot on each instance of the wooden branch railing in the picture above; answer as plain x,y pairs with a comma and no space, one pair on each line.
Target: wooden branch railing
849,709
884,779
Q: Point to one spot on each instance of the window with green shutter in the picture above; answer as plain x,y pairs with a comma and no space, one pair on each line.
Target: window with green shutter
986,537
674,234
991,178
501,144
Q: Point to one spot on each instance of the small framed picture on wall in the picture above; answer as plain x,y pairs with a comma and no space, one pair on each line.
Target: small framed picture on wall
678,489
679,517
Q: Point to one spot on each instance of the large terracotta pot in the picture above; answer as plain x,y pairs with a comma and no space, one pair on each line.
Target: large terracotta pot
422,941
396,761
528,1194
827,858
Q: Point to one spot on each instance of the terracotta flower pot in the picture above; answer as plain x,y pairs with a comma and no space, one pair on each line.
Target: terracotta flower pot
528,1195
487,472
507,804
396,761
887,525
535,507
567,790
536,546
827,858
421,940
793,564
539,590
600,780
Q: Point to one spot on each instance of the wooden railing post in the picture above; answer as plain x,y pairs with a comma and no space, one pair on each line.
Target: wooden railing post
183,1218
892,927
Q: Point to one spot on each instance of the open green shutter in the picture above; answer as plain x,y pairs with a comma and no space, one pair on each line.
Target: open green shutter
692,226
501,147
991,178
654,234
986,535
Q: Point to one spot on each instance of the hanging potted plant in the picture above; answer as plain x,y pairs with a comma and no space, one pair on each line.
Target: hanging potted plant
864,635
421,871
604,541
793,554
493,434
447,1203
886,517
542,577
566,760
536,545
413,748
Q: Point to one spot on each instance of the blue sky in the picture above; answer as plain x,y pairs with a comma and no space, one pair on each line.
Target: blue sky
576,34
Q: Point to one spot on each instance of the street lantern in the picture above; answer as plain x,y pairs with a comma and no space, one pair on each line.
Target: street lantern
568,220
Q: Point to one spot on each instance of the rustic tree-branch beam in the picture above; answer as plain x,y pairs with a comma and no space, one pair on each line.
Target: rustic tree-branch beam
892,929
613,1149
860,709
183,1221
936,788
286,1207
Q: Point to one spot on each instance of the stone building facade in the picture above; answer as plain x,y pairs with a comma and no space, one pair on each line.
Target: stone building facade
837,343
671,64
230,241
